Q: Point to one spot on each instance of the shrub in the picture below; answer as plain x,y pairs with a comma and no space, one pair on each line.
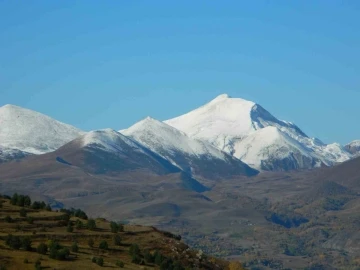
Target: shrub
30,220
42,248
91,243
79,224
74,247
158,258
69,228
100,261
8,219
103,245
117,240
135,258
134,250
26,243
48,207
120,264
1,204
115,227
26,260
38,264
91,224
149,258
13,242
94,259
23,212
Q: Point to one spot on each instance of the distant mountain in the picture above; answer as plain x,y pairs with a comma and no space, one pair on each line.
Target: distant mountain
196,157
24,132
239,127
354,147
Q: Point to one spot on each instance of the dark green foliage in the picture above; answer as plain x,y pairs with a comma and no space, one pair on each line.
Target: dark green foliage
91,224
42,248
135,258
158,258
69,228
1,204
38,205
100,261
26,243
58,252
103,245
26,260
38,264
134,250
120,264
166,264
13,242
94,259
178,266
117,240
74,247
149,258
30,220
14,199
115,227
8,219
48,207
23,212
79,225
75,213
27,201
91,243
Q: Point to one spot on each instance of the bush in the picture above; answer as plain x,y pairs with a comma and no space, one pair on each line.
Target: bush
91,243
38,264
120,264
8,219
115,227
117,240
23,212
103,245
26,260
74,247
69,228
42,248
100,261
48,207
13,242
158,258
135,258
26,243
94,259
78,224
30,220
134,250
148,257
91,224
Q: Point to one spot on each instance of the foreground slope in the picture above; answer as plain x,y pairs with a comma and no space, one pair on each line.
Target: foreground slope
226,122
197,157
82,246
31,132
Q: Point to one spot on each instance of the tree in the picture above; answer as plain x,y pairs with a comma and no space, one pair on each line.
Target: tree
13,242
48,207
42,248
117,240
79,224
91,243
91,224
8,219
23,212
134,249
74,247
30,220
14,199
26,243
103,245
69,228
20,200
94,259
158,258
100,261
115,227
27,201
149,258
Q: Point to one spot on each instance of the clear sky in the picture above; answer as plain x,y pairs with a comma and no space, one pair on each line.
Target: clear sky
98,64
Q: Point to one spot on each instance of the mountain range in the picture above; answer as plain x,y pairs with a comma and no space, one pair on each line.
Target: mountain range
225,137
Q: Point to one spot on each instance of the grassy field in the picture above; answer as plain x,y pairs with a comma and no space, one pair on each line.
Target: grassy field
49,227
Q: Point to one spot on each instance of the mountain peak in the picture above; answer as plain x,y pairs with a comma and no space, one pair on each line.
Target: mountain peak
222,96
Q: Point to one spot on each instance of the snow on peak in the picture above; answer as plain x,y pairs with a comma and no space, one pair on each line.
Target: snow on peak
33,132
162,138
107,139
221,97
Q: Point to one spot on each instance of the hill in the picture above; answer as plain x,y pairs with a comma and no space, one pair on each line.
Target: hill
34,236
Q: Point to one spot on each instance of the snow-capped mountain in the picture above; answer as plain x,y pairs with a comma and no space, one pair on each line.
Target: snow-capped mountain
354,147
197,157
24,131
238,127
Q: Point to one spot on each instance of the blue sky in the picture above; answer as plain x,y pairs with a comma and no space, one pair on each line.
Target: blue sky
99,64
